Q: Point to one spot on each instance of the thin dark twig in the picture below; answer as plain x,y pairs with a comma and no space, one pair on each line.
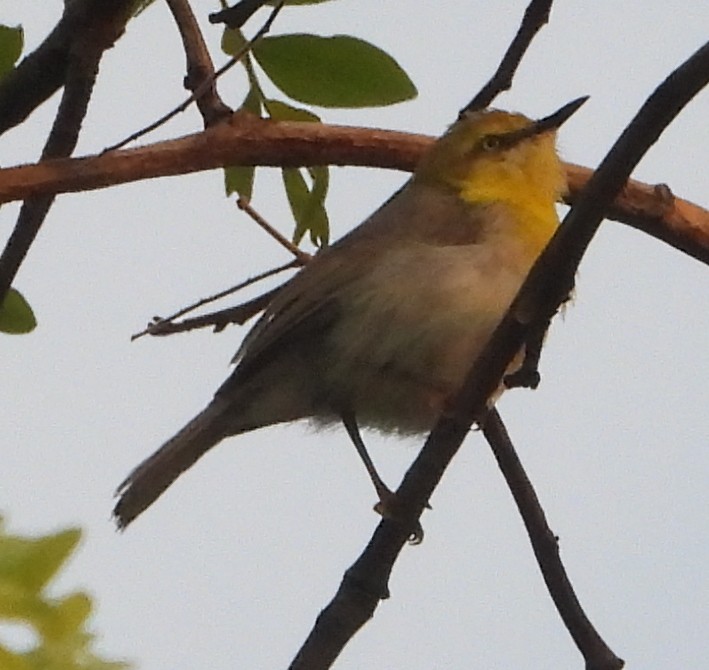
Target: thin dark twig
200,69
301,256
527,375
239,315
366,582
535,16
204,86
236,16
159,325
545,544
250,44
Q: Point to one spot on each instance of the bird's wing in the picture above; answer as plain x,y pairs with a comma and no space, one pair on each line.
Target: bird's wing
305,306
308,302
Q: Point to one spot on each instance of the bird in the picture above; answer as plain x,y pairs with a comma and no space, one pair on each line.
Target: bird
380,328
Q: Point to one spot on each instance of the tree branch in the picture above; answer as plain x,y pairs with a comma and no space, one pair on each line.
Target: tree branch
203,87
535,17
43,72
81,68
653,209
247,140
200,69
545,545
219,320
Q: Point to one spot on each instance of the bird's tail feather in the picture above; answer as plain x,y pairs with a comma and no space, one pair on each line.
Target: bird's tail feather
154,475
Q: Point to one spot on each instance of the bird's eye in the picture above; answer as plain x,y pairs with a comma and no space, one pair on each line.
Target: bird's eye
490,143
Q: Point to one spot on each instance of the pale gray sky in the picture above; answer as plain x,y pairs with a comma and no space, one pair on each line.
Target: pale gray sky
231,567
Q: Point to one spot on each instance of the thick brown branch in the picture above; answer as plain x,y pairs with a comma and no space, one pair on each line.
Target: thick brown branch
246,140
654,210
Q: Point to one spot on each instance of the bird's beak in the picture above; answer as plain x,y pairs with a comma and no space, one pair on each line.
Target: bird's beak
554,121
547,124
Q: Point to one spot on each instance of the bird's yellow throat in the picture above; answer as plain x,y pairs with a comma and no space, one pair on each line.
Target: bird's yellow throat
528,178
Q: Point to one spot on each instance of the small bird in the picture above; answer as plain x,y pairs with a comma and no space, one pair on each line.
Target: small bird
380,328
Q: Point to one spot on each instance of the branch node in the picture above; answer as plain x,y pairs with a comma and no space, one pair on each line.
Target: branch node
665,199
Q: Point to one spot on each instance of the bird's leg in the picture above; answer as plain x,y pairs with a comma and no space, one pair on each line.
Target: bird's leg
387,498
383,491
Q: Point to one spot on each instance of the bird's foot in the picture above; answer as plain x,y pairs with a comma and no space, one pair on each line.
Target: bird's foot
389,507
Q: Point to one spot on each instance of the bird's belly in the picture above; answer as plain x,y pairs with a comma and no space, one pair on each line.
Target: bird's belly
402,350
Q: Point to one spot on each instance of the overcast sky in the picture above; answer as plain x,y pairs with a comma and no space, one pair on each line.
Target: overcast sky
231,567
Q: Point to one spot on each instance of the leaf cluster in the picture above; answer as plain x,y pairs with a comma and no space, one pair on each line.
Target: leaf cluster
58,624
340,71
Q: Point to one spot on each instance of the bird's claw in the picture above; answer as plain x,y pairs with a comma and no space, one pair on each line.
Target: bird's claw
388,507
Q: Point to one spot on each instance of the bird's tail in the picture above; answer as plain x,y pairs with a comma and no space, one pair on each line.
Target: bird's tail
154,475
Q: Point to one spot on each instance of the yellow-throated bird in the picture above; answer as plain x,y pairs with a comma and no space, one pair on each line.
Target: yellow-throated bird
380,328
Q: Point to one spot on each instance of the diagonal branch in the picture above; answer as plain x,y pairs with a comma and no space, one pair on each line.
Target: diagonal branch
204,86
80,76
535,16
545,545
219,320
43,72
200,68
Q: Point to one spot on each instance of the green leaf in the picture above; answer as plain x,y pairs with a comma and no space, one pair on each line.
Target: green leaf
281,111
239,179
298,195
67,614
16,316
252,101
339,71
233,41
10,661
30,563
11,42
308,205
58,625
320,224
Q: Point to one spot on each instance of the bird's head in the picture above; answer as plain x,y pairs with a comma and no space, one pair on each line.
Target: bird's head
492,155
